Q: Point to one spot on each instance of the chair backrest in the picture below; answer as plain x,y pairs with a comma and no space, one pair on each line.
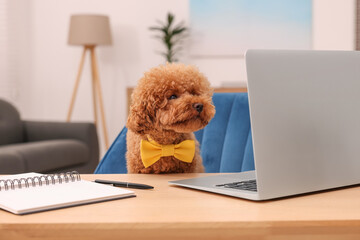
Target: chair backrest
114,160
225,143
11,126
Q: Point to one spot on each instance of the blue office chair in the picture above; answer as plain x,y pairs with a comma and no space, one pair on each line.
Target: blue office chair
225,143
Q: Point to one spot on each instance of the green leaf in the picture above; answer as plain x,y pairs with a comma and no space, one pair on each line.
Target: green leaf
156,28
170,34
170,19
178,31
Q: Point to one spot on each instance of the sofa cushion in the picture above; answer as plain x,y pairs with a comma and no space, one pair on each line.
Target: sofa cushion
11,162
44,156
11,127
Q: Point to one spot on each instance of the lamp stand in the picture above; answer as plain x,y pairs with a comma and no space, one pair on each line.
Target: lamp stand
96,90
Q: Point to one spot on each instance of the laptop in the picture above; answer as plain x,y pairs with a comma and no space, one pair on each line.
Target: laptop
305,121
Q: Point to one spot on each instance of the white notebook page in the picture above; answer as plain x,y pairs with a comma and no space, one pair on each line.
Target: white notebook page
46,197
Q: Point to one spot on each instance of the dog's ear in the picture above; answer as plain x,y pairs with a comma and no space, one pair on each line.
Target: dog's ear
141,116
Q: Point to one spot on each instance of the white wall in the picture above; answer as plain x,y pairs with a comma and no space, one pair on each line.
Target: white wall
49,65
334,24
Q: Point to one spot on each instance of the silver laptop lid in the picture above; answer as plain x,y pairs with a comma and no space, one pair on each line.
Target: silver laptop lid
305,117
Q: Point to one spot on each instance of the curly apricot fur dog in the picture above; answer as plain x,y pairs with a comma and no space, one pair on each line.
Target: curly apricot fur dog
170,103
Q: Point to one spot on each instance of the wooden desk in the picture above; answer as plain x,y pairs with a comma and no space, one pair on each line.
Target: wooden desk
169,212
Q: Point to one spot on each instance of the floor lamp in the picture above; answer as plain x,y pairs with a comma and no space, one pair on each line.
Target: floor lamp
90,31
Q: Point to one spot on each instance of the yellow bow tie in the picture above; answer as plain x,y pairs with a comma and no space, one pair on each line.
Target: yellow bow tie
151,151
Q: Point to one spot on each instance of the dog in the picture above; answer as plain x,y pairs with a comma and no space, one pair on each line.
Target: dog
169,103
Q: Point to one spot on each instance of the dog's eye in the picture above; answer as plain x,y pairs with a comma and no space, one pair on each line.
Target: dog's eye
173,97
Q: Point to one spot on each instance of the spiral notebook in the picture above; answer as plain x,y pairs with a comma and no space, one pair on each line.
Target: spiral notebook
34,192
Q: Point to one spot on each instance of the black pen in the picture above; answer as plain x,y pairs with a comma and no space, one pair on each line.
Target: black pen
124,184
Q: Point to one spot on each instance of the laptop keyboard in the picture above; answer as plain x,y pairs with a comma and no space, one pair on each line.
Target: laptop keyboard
249,185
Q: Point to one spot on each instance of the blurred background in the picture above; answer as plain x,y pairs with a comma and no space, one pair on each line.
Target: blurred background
38,67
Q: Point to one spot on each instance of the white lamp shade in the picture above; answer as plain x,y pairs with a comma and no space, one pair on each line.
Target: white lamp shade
89,30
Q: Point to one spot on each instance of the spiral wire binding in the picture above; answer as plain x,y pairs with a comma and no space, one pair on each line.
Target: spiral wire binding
12,184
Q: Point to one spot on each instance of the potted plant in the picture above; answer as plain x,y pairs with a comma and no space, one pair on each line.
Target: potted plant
171,35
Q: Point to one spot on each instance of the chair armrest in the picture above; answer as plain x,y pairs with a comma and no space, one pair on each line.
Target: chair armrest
84,132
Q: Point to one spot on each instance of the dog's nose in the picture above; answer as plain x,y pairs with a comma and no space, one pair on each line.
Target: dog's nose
198,107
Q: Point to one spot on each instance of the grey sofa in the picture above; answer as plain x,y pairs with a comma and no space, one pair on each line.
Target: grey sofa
45,147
